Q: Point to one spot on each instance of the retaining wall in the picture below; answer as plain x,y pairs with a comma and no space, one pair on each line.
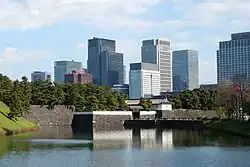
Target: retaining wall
188,114
41,116
106,120
61,116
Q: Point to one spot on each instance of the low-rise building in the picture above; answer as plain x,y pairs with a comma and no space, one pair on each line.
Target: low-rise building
40,76
124,89
208,86
78,77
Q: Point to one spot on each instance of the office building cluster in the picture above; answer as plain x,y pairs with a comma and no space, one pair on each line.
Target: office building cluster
160,71
154,75
163,70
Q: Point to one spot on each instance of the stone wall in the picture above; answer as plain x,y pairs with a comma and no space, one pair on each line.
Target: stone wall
188,114
59,116
107,122
145,116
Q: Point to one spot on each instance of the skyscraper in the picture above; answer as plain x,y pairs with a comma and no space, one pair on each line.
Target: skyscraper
144,80
111,68
110,63
65,67
185,70
159,52
233,57
40,75
124,74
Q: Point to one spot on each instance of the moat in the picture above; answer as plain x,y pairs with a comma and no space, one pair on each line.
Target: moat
60,147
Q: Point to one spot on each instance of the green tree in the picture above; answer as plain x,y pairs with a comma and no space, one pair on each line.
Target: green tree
14,102
145,104
177,104
149,105
122,102
25,94
91,104
80,97
112,102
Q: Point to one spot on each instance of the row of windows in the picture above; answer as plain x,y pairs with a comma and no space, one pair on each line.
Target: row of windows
234,43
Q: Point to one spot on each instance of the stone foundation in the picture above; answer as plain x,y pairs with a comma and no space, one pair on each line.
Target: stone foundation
61,116
188,114
107,122
41,116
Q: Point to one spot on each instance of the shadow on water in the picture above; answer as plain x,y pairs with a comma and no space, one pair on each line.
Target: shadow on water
66,138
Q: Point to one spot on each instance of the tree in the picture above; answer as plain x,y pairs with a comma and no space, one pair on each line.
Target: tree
149,105
19,95
177,104
122,102
14,102
145,104
241,87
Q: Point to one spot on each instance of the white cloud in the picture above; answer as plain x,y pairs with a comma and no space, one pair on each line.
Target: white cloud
14,62
212,13
30,14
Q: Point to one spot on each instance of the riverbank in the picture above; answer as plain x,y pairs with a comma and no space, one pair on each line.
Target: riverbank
233,127
10,127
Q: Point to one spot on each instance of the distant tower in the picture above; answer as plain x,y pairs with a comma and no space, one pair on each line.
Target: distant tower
104,63
185,70
124,74
159,52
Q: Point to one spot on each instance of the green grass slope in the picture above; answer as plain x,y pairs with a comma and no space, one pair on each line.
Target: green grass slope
1,131
11,126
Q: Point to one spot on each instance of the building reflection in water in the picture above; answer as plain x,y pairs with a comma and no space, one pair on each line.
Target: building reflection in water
134,138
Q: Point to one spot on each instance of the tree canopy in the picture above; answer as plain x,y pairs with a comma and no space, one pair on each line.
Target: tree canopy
198,99
20,95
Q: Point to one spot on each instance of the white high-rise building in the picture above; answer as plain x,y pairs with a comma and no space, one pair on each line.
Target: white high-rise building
159,52
144,80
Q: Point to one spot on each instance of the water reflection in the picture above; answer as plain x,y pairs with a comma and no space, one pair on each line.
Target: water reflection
124,148
125,139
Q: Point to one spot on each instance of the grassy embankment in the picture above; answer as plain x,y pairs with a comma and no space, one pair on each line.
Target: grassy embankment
8,126
232,126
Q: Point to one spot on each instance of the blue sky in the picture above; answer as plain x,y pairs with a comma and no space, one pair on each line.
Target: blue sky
34,33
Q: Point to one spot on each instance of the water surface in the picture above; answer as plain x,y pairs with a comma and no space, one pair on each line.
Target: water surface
60,147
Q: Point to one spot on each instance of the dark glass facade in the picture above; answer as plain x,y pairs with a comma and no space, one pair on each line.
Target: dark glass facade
112,71
233,58
185,70
95,48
